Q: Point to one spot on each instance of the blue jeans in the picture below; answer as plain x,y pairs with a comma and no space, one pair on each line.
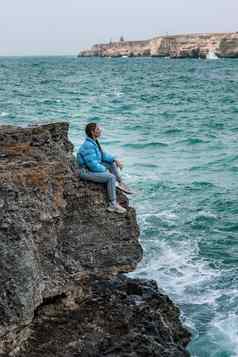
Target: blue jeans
109,177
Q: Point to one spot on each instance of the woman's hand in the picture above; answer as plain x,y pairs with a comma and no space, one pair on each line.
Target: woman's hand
119,164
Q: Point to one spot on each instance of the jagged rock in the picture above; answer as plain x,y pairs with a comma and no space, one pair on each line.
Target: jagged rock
229,47
177,46
60,254
114,318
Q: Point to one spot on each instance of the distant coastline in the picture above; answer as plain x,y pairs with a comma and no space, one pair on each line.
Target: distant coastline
200,45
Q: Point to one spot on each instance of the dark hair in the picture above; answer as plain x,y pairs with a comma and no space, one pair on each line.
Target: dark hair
88,130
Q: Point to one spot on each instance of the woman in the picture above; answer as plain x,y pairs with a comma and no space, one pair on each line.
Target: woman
98,166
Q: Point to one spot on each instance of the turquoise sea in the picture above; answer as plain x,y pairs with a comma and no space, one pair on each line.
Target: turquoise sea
175,125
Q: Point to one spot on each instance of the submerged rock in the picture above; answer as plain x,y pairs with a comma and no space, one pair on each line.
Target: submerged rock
60,253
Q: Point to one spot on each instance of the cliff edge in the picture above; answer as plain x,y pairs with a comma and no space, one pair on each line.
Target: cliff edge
62,256
223,45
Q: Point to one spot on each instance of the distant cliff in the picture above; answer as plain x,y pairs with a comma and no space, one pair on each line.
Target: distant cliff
62,255
177,46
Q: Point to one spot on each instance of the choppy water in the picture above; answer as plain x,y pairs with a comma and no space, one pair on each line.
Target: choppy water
175,124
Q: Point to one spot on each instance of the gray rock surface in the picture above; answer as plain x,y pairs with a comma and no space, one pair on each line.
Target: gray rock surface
55,233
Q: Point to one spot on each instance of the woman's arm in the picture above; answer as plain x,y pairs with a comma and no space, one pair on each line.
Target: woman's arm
108,157
119,164
91,159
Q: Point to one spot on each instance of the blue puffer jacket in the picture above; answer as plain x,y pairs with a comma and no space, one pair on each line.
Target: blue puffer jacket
89,155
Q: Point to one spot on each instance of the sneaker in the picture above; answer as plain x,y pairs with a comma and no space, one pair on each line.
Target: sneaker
116,208
124,188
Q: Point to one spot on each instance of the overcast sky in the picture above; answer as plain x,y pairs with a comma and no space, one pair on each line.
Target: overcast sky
31,27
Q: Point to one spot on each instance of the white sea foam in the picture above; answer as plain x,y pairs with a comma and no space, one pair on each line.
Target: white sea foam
167,215
181,274
206,214
175,263
4,114
211,55
224,332
117,93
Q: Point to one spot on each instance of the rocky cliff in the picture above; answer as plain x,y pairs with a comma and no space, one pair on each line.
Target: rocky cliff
62,256
177,46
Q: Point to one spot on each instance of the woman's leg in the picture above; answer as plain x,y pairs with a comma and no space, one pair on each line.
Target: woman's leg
113,169
101,177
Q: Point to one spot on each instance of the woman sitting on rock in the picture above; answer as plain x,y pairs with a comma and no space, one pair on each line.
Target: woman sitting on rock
98,166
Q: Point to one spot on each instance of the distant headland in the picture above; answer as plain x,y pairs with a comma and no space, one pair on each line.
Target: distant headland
201,45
